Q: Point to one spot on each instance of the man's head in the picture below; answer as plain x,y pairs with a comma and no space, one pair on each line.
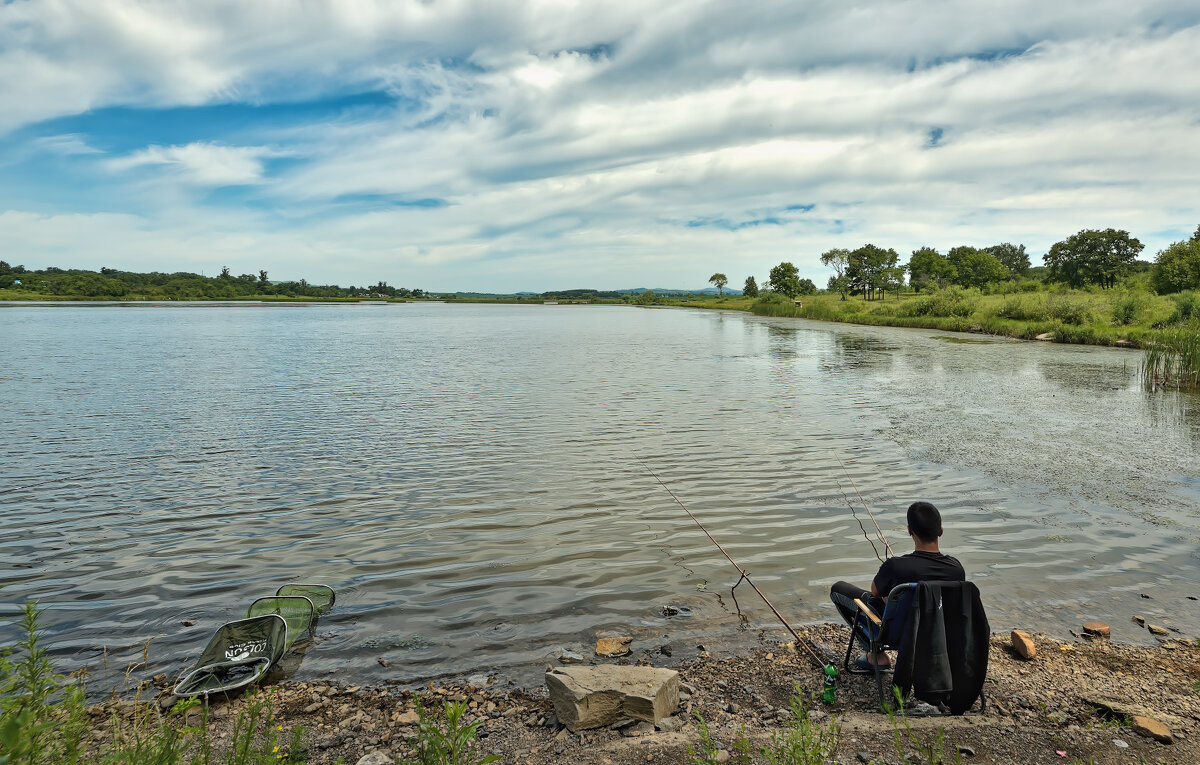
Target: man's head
924,522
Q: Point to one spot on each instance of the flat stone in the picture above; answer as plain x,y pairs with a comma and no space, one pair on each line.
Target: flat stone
1097,628
1151,728
1157,630
618,646
1140,621
671,724
1022,643
570,657
375,758
408,718
1045,337
638,730
591,697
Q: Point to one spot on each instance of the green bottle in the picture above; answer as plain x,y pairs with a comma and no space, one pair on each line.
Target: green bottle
830,683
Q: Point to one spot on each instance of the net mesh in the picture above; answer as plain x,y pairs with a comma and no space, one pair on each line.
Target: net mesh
321,596
296,610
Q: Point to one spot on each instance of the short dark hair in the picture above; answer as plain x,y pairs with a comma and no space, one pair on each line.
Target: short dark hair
925,521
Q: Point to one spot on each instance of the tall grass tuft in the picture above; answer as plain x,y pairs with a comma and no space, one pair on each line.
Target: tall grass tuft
1173,357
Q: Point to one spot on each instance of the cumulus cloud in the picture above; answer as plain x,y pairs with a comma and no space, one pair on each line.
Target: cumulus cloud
545,143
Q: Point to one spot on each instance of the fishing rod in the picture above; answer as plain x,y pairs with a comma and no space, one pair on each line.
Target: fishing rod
887,545
745,575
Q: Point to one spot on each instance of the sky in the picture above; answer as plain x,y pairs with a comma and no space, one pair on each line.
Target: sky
541,144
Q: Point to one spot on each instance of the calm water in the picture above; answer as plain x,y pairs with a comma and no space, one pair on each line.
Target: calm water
466,477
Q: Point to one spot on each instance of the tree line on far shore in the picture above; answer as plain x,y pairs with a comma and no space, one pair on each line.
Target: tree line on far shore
1089,257
113,283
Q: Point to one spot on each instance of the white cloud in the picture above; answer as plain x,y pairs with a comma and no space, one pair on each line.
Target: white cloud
201,164
625,142
70,144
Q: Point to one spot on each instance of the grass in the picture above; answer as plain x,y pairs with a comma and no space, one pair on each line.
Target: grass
1173,357
44,721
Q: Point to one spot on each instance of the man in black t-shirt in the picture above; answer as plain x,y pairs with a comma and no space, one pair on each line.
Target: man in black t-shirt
925,563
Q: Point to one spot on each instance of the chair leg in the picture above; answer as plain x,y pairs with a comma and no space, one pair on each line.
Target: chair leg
849,649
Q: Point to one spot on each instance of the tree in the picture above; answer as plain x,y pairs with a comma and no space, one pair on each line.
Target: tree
646,298
1100,257
807,287
839,261
750,288
1177,268
719,281
929,268
785,279
978,268
225,272
1012,256
867,268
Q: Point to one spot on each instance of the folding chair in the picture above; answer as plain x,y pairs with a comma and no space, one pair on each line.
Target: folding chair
881,633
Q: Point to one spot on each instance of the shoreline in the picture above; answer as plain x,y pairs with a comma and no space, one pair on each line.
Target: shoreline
1036,708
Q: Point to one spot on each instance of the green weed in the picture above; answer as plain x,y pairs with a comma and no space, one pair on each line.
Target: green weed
933,753
802,741
449,744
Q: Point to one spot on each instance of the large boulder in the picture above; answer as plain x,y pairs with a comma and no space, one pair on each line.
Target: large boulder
590,697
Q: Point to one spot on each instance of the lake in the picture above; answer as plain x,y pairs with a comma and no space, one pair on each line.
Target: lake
467,477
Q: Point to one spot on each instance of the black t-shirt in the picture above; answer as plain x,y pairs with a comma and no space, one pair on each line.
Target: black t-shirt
918,566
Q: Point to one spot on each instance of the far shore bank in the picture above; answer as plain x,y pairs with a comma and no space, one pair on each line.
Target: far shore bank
1074,702
1087,311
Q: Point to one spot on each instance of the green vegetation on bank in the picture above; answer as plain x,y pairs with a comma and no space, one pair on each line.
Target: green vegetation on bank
19,283
1092,290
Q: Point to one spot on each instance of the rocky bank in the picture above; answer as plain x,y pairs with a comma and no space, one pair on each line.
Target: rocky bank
1073,701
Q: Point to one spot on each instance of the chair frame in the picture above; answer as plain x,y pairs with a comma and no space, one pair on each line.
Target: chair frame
875,636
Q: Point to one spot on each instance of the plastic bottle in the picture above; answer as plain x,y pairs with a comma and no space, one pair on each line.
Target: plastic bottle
830,683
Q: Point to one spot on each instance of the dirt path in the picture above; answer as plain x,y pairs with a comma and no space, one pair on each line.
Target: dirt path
1036,709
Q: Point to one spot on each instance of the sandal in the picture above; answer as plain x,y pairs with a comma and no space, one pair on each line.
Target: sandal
862,662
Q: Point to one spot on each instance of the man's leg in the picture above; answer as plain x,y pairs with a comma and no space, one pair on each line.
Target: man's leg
843,594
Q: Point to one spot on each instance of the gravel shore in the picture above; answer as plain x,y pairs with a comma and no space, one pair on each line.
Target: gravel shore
1074,701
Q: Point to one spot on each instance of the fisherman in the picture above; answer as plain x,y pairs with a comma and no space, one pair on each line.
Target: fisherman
925,563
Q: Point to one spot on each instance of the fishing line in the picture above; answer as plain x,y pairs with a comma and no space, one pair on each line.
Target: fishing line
887,545
854,513
745,575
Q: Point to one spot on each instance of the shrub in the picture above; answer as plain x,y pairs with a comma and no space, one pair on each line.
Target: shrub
1127,308
1187,308
952,301
1023,308
1069,310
